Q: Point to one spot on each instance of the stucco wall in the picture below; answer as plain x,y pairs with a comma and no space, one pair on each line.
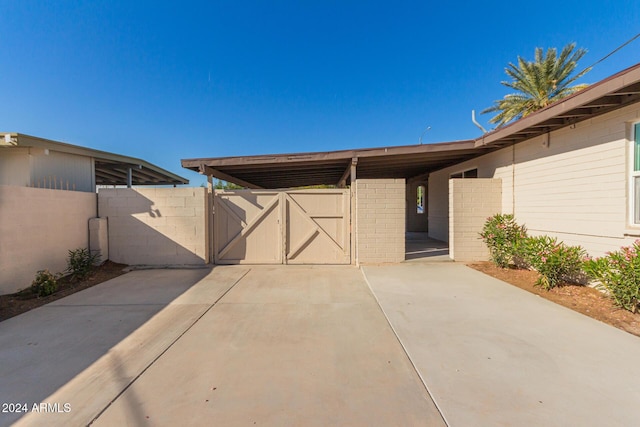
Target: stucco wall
380,210
37,228
575,188
471,201
156,226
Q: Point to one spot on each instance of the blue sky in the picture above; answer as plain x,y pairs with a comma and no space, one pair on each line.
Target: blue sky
164,81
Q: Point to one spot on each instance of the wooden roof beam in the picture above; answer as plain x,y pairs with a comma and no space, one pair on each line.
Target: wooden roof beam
208,170
342,182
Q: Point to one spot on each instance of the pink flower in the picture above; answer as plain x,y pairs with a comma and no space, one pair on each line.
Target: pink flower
543,259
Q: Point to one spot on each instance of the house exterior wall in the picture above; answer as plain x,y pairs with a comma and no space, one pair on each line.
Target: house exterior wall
37,229
15,168
471,201
67,171
380,229
32,167
156,226
574,188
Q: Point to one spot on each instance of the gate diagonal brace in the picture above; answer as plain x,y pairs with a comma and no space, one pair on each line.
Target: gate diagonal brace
231,213
250,226
303,243
313,222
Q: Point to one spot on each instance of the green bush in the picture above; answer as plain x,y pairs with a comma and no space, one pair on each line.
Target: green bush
80,263
554,261
619,274
502,236
44,284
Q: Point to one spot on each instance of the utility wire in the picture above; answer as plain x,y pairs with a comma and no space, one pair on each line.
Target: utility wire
612,52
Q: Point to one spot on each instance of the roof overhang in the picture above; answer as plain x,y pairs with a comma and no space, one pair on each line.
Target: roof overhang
607,95
110,168
333,167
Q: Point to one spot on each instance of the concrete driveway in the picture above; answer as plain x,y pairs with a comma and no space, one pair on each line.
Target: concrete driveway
294,345
228,346
494,355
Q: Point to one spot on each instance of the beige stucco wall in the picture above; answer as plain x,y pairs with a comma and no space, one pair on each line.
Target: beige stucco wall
156,226
471,201
380,228
575,188
37,229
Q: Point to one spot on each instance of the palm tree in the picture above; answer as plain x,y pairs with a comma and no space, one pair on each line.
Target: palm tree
539,83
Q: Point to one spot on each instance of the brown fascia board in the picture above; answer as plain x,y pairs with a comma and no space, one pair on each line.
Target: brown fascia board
195,164
588,95
34,141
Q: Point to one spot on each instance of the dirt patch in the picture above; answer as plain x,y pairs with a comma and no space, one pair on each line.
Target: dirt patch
18,303
582,299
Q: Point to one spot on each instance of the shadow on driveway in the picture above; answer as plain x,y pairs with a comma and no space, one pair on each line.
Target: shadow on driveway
44,352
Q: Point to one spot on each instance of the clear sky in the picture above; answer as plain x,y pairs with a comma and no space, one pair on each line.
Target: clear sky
164,81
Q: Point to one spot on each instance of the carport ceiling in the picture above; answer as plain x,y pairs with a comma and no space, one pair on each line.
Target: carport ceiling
113,172
297,170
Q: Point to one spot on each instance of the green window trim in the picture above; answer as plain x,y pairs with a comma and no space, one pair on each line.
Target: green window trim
636,147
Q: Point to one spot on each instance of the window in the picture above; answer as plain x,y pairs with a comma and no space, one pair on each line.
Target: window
471,173
420,199
635,175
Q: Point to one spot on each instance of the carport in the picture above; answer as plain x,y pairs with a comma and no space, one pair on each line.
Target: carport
337,207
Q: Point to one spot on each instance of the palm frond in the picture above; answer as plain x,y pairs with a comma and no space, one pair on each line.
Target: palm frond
538,83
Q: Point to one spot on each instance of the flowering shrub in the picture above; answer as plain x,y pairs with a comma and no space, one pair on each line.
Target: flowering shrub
45,283
619,274
553,261
502,234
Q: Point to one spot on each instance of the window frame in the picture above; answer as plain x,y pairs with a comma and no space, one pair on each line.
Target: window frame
461,174
634,142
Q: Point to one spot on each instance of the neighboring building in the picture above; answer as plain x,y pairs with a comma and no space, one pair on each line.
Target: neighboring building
42,217
28,161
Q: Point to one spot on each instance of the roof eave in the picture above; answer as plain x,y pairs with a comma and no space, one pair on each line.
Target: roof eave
607,87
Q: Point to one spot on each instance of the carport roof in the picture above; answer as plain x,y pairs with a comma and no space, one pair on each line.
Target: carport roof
302,169
293,170
110,168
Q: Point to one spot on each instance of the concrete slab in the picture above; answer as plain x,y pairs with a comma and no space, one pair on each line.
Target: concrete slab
83,350
288,345
419,247
494,355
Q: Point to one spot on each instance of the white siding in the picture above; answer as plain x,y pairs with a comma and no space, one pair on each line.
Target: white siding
575,189
62,171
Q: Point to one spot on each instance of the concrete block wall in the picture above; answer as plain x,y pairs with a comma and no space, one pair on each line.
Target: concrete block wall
99,238
156,226
37,229
380,221
471,201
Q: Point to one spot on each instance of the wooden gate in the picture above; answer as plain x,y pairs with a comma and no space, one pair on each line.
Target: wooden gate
282,227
